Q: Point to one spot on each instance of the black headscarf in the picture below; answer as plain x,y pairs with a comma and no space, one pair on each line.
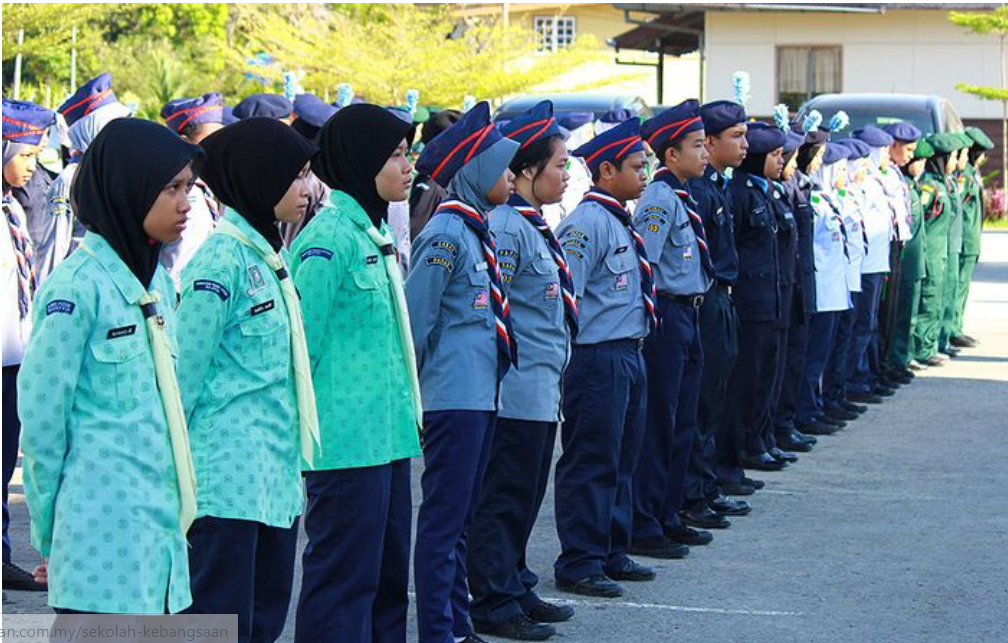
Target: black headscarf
937,163
754,164
356,143
120,177
807,152
251,165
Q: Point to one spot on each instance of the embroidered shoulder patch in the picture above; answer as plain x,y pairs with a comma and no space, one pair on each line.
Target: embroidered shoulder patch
60,306
316,252
212,286
444,262
445,245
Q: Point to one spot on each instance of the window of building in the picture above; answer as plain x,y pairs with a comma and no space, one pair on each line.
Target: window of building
553,33
807,71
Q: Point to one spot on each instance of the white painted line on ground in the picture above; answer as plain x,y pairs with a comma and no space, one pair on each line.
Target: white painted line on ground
669,608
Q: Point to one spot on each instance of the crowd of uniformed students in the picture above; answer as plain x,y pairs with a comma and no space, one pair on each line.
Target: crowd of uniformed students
205,324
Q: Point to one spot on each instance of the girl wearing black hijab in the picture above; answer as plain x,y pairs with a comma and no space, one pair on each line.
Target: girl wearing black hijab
358,519
107,473
245,378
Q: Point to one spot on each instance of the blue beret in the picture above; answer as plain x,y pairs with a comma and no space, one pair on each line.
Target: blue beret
719,115
227,115
764,137
612,145
447,152
873,136
574,120
857,148
180,112
792,141
672,124
835,153
90,96
313,110
903,132
25,122
267,105
618,115
536,124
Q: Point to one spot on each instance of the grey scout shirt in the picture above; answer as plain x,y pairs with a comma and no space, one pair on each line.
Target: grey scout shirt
454,335
671,244
531,278
606,272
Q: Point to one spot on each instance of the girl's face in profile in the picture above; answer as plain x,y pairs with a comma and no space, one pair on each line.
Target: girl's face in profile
167,217
294,203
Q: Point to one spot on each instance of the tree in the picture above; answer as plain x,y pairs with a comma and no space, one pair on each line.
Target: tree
984,24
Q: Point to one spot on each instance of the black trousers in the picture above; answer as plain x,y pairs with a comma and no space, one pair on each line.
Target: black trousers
514,485
11,442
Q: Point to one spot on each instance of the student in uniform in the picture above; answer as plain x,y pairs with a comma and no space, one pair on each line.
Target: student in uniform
465,344
605,384
938,215
311,114
359,512
24,132
955,184
107,473
757,294
676,243
862,359
245,378
91,108
713,467
973,202
912,258
426,194
544,311
193,119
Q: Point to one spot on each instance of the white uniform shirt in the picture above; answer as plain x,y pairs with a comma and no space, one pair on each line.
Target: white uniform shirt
15,329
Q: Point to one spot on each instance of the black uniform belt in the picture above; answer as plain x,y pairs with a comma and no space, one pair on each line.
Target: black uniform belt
629,343
724,287
693,301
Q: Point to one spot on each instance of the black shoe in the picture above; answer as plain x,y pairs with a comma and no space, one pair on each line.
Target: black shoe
520,628
728,507
633,572
761,462
783,456
659,547
736,489
888,382
818,428
755,484
841,414
791,442
884,391
964,341
688,536
598,585
801,437
474,638
828,421
851,406
18,580
934,360
702,516
865,398
546,612
951,351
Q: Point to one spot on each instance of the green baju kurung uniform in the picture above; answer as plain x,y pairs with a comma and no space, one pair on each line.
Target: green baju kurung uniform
913,270
937,220
972,228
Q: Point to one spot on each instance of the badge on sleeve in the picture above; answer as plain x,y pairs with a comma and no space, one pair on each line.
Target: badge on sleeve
482,300
255,279
60,306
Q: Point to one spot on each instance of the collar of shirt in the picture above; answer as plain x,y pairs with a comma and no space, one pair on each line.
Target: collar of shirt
517,201
711,173
127,283
257,239
664,174
348,207
761,182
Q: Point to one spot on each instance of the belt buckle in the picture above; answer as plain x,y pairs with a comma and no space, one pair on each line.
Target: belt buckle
697,301
640,344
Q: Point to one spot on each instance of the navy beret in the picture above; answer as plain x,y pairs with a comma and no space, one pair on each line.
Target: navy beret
858,149
835,153
792,141
719,115
536,124
25,122
574,120
446,153
227,115
764,137
903,132
612,145
617,115
672,124
312,109
193,111
873,136
267,105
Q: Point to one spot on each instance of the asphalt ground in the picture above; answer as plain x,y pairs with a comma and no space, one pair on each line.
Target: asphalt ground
892,530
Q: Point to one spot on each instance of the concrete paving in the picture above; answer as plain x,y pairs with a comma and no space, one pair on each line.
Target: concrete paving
892,530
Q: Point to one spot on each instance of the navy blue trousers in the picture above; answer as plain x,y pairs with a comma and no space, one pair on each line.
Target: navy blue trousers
674,357
11,442
501,584
605,404
355,577
456,449
246,568
751,387
715,448
860,376
821,330
834,386
794,371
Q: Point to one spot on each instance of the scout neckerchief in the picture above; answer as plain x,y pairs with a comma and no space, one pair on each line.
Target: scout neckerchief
24,256
665,175
171,400
836,215
210,199
533,216
386,245
506,346
615,208
307,413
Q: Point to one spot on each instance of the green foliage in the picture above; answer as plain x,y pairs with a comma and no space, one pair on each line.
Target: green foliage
984,23
986,93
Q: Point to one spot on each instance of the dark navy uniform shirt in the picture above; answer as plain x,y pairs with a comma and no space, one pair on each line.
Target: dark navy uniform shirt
715,208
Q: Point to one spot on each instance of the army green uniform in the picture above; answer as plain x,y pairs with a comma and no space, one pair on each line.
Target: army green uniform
972,226
936,208
912,271
955,244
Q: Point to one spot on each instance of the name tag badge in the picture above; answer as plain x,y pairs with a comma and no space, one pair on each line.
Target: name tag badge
123,331
836,236
371,260
481,266
261,308
687,253
552,291
481,301
622,281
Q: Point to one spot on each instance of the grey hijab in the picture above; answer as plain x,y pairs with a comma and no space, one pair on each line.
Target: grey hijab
474,179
